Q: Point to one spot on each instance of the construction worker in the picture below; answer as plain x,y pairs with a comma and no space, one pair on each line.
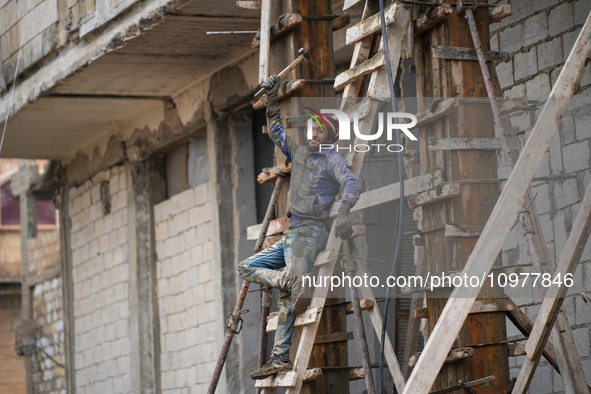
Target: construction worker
316,178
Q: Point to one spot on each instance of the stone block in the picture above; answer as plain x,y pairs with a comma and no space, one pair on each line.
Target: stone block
542,193
565,193
576,157
521,9
201,194
567,130
539,87
511,38
543,4
207,251
581,336
560,234
583,127
535,29
560,19
515,92
550,53
542,380
544,168
582,312
582,8
505,73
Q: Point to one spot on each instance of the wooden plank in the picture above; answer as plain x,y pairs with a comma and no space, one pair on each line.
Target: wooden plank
352,74
350,3
480,306
556,292
310,316
443,108
516,349
282,379
250,5
265,44
276,226
312,374
356,373
458,53
341,22
323,257
449,190
334,337
286,90
282,27
513,105
372,24
364,303
361,109
438,15
499,13
455,355
502,218
471,143
465,230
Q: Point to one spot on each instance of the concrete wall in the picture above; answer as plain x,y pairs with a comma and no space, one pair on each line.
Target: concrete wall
48,316
539,36
44,252
100,272
186,291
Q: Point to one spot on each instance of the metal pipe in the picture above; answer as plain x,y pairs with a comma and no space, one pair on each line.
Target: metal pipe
219,366
266,299
350,270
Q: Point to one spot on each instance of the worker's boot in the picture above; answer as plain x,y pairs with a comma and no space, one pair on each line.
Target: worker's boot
300,296
271,367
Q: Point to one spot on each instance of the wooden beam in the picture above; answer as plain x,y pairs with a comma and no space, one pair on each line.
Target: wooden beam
270,174
458,53
372,24
503,216
443,108
356,373
350,4
499,13
464,230
310,316
285,24
288,379
556,292
341,22
276,226
250,5
471,143
455,355
438,15
365,305
286,90
334,337
516,349
352,74
449,190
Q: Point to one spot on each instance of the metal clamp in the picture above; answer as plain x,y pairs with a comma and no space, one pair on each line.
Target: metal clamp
234,322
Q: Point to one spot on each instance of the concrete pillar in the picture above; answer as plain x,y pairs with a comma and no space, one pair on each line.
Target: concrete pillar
146,187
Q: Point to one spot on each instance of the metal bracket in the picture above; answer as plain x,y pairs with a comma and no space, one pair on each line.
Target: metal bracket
234,323
461,7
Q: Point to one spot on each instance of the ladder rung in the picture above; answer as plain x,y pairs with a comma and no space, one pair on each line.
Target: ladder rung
372,24
459,53
463,231
368,66
431,196
287,379
471,143
308,317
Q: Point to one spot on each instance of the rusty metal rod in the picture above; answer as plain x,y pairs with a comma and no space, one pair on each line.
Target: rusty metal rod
351,268
266,305
219,366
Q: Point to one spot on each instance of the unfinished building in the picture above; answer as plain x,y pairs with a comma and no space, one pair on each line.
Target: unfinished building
154,148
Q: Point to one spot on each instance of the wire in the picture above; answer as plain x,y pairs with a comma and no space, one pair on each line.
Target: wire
401,209
18,59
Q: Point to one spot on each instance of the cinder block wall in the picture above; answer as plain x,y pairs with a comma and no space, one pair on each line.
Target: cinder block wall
184,245
539,35
100,273
48,316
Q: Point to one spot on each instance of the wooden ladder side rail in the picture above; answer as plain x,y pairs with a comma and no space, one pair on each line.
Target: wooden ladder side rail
502,218
555,296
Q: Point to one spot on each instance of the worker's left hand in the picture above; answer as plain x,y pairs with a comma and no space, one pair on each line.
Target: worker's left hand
343,227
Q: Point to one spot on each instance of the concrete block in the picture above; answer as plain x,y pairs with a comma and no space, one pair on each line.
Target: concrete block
565,193
542,201
560,19
550,53
515,92
583,127
581,336
539,87
577,286
567,130
521,122
201,194
582,312
576,157
582,8
510,38
207,251
543,4
526,64
521,9
560,234
544,168
505,74
535,29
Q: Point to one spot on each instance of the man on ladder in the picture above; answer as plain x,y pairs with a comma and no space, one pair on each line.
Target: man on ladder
317,175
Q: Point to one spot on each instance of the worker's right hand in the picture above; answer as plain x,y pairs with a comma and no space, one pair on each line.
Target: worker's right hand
273,111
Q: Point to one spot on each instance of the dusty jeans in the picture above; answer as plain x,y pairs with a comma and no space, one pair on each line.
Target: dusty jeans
296,251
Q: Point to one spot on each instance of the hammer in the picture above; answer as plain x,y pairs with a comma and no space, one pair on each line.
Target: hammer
283,74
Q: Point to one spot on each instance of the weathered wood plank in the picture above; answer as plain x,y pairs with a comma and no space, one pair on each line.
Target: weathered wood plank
288,379
480,306
265,41
356,374
465,230
310,316
471,143
341,22
250,5
365,305
516,349
502,218
323,257
334,337
286,90
425,22
443,108
499,13
458,53
286,23
372,24
350,75
449,190
454,356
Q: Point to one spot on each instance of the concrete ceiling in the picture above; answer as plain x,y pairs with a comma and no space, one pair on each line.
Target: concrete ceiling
123,82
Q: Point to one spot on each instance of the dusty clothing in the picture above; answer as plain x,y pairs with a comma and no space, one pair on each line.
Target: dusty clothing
316,178
296,251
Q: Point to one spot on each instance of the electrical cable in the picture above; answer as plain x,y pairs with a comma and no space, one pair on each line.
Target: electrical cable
401,209
18,59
